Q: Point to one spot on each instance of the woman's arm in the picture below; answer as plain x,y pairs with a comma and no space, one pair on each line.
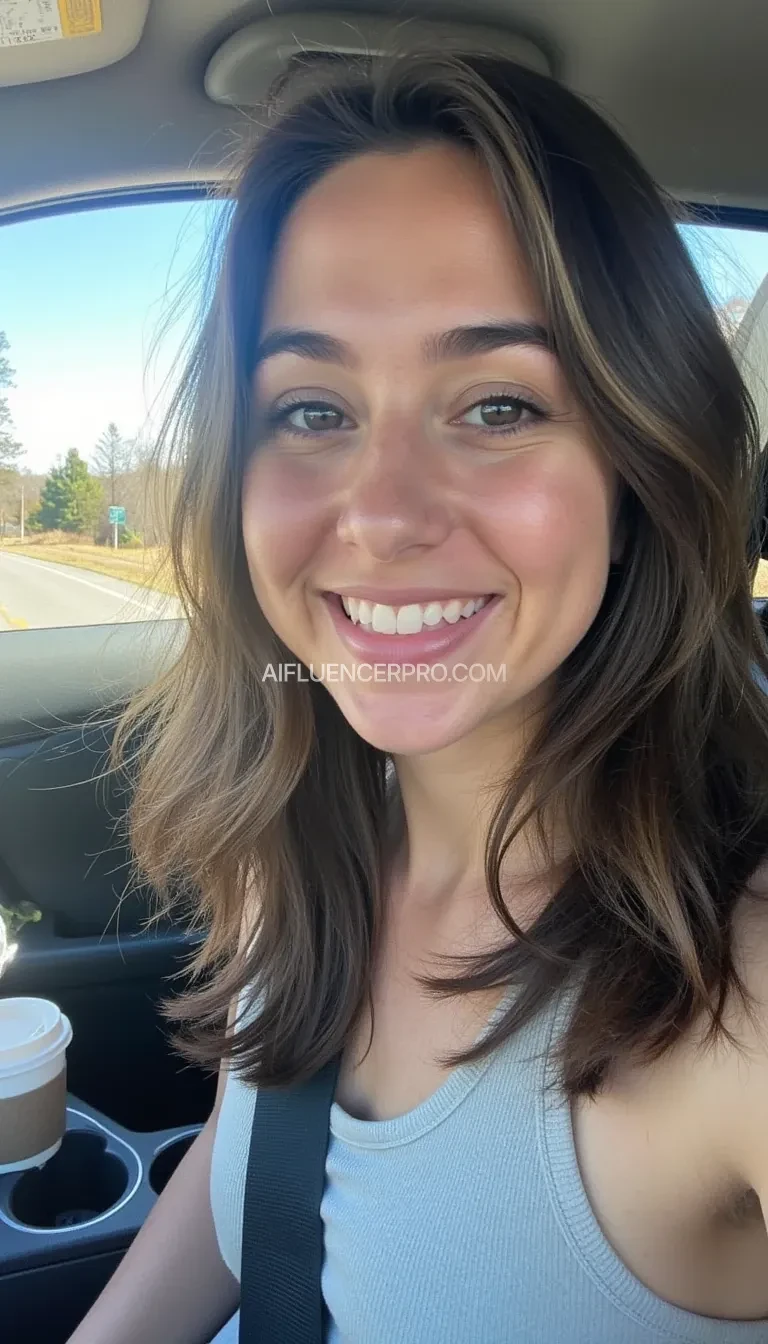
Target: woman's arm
172,1286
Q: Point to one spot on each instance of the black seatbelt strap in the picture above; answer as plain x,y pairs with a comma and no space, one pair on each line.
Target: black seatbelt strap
281,1301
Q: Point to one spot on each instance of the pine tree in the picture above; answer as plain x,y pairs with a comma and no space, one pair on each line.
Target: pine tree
71,499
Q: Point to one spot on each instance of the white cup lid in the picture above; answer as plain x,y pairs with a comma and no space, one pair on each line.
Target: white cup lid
32,1031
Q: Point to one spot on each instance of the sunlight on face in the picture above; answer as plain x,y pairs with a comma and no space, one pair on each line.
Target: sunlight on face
414,458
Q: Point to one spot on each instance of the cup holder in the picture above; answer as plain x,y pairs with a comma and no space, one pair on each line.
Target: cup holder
167,1160
80,1183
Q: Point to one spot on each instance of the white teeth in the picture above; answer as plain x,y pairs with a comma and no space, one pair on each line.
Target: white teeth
432,614
413,617
409,619
384,620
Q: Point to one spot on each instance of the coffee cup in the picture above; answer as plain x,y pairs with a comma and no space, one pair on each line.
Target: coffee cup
34,1035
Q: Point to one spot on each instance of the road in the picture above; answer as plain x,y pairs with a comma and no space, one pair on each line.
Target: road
37,594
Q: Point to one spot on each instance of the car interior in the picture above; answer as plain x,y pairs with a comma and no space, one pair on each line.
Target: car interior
107,103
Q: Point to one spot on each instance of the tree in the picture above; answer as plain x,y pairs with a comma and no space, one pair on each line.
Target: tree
10,449
111,458
71,499
17,487
10,496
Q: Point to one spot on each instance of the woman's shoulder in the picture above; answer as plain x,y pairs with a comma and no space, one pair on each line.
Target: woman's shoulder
736,1072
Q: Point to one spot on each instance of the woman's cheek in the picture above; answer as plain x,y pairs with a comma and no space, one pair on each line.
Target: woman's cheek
285,515
545,524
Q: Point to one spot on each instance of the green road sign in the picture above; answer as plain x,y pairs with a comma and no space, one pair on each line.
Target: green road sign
116,514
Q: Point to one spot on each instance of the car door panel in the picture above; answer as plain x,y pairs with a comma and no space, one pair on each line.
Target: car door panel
63,849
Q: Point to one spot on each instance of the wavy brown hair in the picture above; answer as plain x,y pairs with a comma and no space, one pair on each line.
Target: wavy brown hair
655,744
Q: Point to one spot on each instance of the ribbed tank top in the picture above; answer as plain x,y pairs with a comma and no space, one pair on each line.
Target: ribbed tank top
466,1219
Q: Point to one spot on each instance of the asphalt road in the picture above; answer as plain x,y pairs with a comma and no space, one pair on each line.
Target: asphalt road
38,594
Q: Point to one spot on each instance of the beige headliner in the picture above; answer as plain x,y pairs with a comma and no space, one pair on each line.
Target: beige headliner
685,80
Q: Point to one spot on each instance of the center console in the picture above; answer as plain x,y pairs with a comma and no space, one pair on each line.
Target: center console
65,1226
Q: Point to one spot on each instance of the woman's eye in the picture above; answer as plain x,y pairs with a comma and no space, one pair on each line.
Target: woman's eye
309,417
501,413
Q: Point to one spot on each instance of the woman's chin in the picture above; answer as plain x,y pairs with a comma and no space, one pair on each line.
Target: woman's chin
403,725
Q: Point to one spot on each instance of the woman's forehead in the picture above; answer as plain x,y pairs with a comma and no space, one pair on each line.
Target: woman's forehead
386,233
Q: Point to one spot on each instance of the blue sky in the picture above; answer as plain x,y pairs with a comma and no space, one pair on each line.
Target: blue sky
82,297
732,262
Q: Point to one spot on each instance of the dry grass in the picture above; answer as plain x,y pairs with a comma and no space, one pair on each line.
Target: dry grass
146,567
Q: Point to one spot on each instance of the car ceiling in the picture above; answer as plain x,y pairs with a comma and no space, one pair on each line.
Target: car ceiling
684,80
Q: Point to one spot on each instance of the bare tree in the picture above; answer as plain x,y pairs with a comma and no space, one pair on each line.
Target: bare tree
10,494
10,449
18,489
111,459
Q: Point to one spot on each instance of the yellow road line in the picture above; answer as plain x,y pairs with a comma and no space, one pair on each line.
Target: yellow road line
15,622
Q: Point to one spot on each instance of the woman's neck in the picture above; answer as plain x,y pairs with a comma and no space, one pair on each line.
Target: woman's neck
446,802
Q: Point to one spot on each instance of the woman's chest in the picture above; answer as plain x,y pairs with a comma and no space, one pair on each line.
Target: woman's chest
388,1071
643,1155
651,1167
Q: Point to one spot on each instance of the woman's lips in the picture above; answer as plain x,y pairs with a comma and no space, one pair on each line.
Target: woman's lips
429,646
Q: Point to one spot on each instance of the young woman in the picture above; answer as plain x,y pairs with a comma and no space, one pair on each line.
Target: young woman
460,411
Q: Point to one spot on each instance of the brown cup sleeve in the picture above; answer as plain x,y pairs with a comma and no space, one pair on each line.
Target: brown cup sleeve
34,1121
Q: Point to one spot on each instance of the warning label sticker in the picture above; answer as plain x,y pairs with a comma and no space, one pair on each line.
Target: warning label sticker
25,21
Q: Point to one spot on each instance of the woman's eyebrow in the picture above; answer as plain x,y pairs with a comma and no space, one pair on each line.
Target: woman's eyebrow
458,343
461,342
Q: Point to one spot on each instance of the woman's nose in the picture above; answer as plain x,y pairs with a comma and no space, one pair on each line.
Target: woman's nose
395,499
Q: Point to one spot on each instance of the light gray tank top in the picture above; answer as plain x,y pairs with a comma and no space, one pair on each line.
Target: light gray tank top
466,1219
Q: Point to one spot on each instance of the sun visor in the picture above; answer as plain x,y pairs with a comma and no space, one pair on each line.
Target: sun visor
50,39
247,69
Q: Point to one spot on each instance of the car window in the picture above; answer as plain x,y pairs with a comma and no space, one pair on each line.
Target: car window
733,263
94,307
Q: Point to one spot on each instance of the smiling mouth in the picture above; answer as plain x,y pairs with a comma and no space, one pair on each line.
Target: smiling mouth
414,618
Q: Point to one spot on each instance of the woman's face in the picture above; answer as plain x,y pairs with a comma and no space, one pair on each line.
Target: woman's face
426,519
